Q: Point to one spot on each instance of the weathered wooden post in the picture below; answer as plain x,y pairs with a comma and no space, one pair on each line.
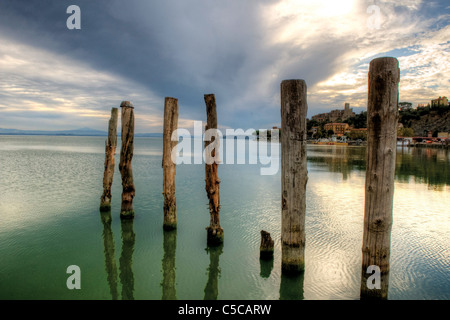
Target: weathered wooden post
266,247
214,231
382,118
294,174
126,155
110,259
169,167
110,151
169,291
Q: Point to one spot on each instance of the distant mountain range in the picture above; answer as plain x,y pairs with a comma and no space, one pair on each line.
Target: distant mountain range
76,132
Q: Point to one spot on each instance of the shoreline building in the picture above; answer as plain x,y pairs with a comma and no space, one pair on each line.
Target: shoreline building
439,102
335,115
339,129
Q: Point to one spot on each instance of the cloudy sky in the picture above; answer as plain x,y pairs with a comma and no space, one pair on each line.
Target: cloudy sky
54,78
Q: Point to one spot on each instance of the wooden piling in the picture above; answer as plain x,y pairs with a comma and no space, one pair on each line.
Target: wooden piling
294,174
214,231
382,119
126,155
266,247
110,151
169,167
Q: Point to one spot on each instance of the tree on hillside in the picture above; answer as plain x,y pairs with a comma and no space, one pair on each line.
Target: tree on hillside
312,123
404,105
358,121
405,132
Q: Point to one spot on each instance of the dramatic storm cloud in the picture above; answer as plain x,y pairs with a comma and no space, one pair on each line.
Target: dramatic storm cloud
143,51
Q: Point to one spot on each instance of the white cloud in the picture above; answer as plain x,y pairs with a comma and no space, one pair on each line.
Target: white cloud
36,82
311,25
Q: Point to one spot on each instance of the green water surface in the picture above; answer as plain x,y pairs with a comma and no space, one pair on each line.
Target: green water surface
50,190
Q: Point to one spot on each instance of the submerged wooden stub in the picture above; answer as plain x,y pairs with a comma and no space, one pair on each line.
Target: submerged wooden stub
110,151
382,118
266,247
126,155
169,167
214,231
293,174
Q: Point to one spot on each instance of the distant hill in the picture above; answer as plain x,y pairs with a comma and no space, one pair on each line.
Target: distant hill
424,119
76,132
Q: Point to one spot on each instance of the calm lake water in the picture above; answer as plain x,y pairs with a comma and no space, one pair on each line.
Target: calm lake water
50,190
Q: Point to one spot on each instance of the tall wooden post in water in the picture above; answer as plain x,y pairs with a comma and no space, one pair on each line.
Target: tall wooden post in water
169,167
382,118
214,231
126,155
110,151
293,174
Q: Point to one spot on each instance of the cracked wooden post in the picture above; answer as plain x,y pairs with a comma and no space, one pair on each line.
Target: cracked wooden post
266,247
126,155
294,175
382,118
110,151
169,167
214,231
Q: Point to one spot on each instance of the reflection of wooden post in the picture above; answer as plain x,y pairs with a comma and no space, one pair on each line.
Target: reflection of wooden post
382,118
110,260
212,286
126,260
126,155
169,167
215,231
110,151
291,286
293,174
169,291
266,267
266,247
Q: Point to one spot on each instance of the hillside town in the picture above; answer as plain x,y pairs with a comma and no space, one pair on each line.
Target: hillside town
423,125
426,124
